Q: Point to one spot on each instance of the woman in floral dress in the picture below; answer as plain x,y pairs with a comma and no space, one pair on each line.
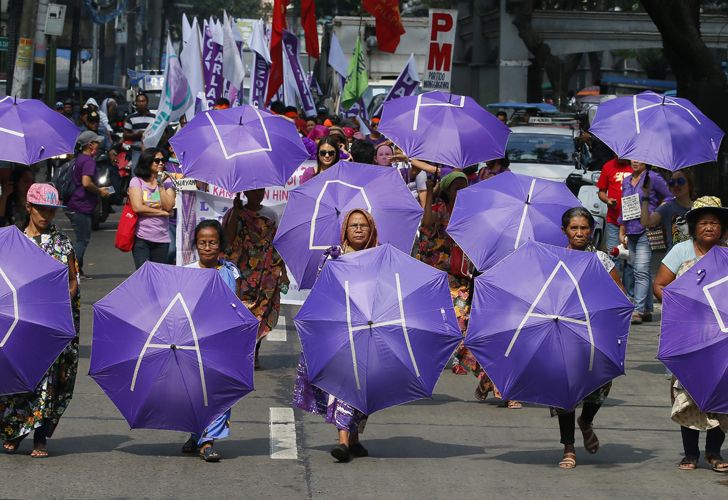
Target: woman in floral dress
250,229
41,410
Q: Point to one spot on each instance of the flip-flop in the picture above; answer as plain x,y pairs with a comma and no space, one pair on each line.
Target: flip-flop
39,453
568,461
208,454
14,445
514,405
717,463
591,442
688,463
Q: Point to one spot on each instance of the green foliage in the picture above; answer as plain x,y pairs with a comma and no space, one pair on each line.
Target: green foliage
332,8
203,9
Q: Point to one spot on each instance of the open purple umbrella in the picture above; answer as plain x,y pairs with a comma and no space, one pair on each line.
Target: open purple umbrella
36,323
316,210
494,217
239,148
667,132
549,325
31,132
378,328
694,331
444,128
173,347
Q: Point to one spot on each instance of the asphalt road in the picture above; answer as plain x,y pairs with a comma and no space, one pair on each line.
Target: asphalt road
451,446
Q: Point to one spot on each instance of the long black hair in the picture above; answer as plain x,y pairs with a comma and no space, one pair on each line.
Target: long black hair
334,143
143,167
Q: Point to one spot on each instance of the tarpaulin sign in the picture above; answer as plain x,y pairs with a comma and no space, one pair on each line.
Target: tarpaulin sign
438,71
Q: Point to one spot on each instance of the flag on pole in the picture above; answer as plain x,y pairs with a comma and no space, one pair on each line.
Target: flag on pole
232,66
261,64
405,85
301,85
191,60
389,26
357,79
337,59
175,99
212,55
308,21
275,80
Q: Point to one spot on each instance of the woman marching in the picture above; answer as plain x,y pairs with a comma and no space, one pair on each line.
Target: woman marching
41,410
707,226
209,241
250,230
578,225
358,232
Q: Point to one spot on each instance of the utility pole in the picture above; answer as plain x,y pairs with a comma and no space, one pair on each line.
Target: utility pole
39,54
75,35
23,68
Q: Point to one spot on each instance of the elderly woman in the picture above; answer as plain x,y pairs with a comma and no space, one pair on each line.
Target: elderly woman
41,410
250,229
578,225
209,240
358,232
707,226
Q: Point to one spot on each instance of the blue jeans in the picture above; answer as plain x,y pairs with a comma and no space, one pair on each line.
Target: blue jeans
624,268
145,250
82,229
640,256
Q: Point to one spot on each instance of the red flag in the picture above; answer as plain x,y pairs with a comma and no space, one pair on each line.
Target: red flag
389,23
275,79
308,21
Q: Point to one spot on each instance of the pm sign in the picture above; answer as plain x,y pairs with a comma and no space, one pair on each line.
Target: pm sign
438,71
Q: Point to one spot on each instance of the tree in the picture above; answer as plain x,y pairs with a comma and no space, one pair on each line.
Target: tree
203,9
697,71
559,70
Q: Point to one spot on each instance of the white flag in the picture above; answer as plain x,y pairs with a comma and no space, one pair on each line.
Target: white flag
337,58
258,42
191,59
232,66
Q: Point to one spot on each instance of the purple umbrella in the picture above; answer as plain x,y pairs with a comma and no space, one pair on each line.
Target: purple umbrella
444,128
378,328
31,132
494,217
316,210
694,331
549,325
239,148
173,347
667,132
36,323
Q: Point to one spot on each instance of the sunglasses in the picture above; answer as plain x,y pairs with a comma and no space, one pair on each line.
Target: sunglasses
327,152
680,181
158,160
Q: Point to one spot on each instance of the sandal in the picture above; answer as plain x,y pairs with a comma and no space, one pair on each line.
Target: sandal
514,405
688,463
591,442
208,454
11,445
190,446
481,392
717,463
457,369
39,453
568,461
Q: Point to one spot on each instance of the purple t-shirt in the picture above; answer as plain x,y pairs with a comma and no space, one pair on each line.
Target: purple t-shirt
153,228
83,201
659,192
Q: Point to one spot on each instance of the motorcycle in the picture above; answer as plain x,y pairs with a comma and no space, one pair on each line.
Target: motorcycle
104,179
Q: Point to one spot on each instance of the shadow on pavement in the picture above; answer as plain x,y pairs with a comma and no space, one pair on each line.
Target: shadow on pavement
435,400
413,447
228,448
97,443
609,455
656,368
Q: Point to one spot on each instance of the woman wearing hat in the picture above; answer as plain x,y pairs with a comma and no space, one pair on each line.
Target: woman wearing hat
707,226
41,410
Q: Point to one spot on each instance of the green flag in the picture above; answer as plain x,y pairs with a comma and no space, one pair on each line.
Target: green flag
357,81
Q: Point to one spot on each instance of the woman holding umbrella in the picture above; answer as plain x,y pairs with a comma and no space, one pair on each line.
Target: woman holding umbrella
578,225
209,239
41,410
250,229
328,154
707,226
358,232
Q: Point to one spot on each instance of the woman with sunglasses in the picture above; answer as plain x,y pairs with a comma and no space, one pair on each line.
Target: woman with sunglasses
682,186
153,203
327,155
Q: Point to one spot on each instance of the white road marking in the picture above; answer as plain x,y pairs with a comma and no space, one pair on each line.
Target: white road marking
278,334
283,434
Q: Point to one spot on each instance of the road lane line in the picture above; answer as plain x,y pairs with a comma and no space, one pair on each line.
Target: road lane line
283,434
278,334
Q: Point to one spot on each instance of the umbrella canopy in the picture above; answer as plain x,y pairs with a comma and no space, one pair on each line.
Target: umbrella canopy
316,210
444,128
239,148
31,132
378,328
173,347
667,132
549,325
36,323
694,330
494,217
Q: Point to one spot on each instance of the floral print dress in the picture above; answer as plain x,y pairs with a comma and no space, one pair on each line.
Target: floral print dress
24,412
261,268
